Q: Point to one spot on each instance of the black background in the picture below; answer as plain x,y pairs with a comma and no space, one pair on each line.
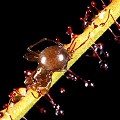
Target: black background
24,24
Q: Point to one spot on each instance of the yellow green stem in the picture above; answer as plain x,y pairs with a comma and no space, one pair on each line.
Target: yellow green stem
26,103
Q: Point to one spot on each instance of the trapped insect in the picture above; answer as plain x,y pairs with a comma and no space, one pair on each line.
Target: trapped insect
52,59
14,97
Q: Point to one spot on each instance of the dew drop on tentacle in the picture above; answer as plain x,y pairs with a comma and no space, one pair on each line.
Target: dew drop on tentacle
88,83
41,109
93,4
69,30
72,76
58,111
88,11
82,19
100,53
5,106
62,90
103,65
117,38
107,54
100,49
57,39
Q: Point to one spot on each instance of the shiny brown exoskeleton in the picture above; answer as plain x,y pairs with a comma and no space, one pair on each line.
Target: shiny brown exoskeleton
51,59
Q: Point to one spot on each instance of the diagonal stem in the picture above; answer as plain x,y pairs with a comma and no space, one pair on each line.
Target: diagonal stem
23,106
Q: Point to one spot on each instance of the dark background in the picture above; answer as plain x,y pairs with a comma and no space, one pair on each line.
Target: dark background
24,24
